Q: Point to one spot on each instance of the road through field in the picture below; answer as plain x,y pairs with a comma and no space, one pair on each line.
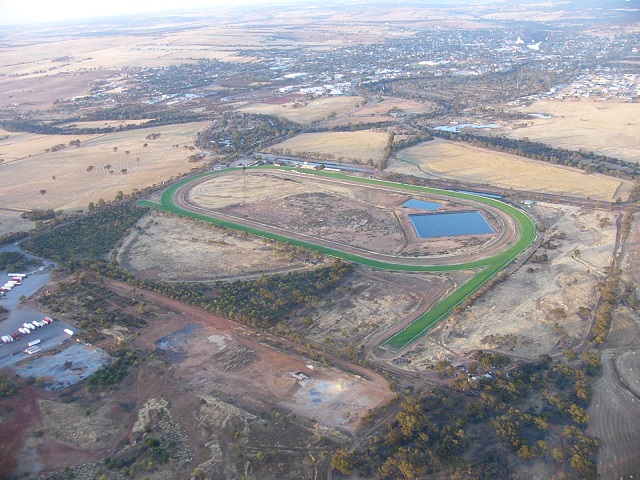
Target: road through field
174,199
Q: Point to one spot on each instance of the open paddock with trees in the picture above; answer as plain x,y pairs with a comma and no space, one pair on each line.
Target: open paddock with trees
305,110
72,177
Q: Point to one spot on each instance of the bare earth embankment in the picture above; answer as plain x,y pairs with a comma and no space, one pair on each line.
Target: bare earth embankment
615,408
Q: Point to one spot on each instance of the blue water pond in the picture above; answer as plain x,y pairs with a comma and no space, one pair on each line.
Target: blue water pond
450,224
421,204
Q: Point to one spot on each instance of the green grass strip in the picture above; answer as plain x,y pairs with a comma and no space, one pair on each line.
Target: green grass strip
487,268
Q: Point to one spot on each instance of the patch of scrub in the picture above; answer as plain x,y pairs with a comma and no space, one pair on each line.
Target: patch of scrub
64,368
421,205
450,224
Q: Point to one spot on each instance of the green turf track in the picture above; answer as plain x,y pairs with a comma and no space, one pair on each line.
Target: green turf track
486,268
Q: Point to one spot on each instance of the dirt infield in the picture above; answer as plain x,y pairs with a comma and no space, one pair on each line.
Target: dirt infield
370,219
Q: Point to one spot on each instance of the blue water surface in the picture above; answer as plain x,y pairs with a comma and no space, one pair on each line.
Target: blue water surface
421,204
450,224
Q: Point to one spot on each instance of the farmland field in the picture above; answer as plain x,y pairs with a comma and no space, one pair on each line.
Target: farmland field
74,176
440,158
362,145
607,128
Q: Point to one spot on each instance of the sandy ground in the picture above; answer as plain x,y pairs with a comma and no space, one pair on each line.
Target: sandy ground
76,183
536,310
444,159
608,128
615,407
180,249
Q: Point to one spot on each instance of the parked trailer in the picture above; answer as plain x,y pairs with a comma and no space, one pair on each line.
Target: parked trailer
69,332
32,350
34,342
21,275
18,280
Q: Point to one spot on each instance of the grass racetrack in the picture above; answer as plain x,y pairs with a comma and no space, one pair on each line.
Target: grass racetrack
486,268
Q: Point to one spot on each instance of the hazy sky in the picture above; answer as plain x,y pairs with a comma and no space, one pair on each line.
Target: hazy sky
30,11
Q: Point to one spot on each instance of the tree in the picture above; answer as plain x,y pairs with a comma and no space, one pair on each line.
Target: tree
343,461
42,191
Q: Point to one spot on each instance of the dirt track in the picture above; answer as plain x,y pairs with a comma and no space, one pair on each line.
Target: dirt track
505,225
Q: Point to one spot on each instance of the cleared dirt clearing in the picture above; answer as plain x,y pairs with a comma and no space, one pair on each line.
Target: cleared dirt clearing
536,311
450,160
181,249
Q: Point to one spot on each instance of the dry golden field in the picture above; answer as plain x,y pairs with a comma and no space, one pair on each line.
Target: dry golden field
379,111
305,111
364,145
21,145
607,128
76,184
469,164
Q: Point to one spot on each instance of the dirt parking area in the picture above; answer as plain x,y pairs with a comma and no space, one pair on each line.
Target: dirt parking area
545,306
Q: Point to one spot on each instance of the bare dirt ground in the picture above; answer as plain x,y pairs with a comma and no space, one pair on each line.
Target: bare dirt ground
451,160
98,168
586,124
206,384
216,357
180,249
369,219
614,410
536,310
